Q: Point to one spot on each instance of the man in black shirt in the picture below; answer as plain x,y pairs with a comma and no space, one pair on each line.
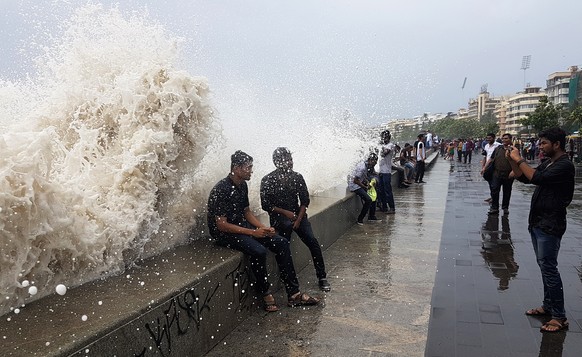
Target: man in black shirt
233,225
285,197
554,179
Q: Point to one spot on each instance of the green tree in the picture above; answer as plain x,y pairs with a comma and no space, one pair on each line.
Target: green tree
574,119
546,115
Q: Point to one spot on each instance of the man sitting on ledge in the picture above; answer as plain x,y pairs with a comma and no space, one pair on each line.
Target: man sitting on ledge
234,226
285,197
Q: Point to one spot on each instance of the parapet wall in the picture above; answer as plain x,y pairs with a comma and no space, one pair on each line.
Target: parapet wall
180,303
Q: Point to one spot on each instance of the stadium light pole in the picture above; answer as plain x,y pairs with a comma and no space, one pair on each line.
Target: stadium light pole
525,61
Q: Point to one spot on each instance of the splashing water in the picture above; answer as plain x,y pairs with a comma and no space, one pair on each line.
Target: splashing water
114,151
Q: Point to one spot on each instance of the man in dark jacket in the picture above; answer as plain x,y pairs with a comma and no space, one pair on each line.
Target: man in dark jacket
554,179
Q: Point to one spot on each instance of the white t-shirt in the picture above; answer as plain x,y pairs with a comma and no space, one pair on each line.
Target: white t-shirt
386,161
420,152
490,148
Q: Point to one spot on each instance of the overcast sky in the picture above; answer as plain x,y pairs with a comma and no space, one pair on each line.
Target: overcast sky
377,59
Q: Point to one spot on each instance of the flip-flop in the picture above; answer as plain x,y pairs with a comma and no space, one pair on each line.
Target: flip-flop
270,305
560,324
538,311
302,299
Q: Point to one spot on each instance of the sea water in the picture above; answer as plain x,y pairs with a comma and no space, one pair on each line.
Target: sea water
108,152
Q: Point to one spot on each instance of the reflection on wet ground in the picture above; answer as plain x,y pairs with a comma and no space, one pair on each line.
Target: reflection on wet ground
487,277
498,249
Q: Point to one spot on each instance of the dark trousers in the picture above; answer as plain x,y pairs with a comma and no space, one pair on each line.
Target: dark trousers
467,154
387,195
419,170
285,228
369,207
495,186
256,250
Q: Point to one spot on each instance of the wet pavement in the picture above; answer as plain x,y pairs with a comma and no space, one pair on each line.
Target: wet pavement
383,274
488,277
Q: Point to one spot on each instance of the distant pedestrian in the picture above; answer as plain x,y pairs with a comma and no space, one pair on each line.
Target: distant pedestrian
420,154
554,180
501,178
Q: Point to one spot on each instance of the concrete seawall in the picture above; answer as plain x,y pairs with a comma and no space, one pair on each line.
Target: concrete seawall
179,303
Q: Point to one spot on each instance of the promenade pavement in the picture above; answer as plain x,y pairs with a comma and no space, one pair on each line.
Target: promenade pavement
487,277
482,269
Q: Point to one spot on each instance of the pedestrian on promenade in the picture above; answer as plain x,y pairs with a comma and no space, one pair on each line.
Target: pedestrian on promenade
285,197
554,180
234,226
501,177
468,153
420,154
358,183
488,148
387,150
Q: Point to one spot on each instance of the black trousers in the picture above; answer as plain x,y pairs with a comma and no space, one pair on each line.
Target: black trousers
419,171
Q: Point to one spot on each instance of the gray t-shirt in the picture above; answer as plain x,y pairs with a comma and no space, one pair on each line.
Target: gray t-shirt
386,159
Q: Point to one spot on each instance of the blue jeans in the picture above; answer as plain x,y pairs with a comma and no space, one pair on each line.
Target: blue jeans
369,205
285,228
256,250
388,198
411,170
546,247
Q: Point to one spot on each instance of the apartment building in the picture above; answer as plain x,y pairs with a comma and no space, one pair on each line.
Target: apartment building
519,106
557,87
500,113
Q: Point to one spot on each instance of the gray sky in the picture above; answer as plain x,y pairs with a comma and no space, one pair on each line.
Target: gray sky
377,59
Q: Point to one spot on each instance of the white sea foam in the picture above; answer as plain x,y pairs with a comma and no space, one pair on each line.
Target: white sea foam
109,152
99,159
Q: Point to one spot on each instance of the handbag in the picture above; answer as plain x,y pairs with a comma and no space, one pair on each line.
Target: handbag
488,173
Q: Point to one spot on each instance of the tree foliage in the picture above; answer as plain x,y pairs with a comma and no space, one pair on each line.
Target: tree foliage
450,128
573,119
545,116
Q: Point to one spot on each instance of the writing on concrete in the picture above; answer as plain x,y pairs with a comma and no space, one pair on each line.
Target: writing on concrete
239,279
183,313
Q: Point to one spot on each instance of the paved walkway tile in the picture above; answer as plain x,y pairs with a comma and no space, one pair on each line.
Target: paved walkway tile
487,277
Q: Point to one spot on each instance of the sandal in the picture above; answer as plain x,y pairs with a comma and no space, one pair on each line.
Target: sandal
270,305
301,299
538,311
555,325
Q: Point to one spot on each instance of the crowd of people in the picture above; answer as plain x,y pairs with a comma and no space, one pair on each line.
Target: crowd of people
285,197
375,188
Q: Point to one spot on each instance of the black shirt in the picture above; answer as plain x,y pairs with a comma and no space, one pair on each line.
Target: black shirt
554,192
227,200
284,190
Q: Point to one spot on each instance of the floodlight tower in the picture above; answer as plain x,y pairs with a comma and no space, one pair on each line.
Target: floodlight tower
525,61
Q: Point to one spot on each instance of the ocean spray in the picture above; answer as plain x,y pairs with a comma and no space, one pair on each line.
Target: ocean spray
108,154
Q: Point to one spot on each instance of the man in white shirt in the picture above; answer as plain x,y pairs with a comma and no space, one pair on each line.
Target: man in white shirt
420,153
428,139
386,155
489,148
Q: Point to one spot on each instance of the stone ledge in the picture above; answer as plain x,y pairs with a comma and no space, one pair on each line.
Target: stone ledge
181,302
